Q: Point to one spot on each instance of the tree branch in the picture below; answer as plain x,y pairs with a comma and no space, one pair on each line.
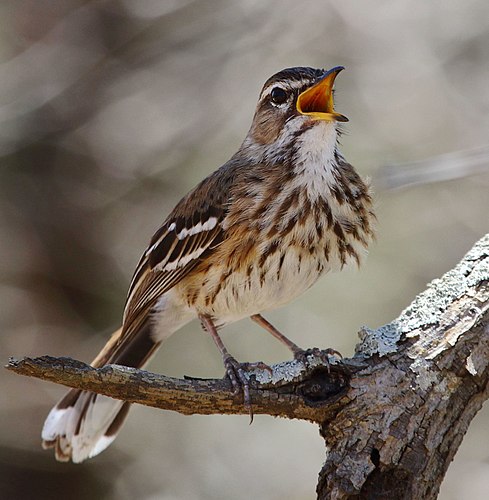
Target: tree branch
408,411
293,390
392,417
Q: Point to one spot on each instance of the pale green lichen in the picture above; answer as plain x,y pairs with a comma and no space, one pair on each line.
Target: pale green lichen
381,341
429,306
287,371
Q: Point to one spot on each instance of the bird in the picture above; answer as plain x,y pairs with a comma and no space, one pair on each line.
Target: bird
286,209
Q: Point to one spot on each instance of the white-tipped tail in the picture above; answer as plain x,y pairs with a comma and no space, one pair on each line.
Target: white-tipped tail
83,429
83,423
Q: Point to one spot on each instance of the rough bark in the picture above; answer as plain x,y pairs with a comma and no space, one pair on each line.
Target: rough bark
293,390
392,417
427,378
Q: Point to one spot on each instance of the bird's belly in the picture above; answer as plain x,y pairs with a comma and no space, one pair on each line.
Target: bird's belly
254,289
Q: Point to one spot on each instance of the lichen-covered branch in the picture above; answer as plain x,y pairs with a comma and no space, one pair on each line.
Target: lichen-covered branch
392,417
294,389
428,376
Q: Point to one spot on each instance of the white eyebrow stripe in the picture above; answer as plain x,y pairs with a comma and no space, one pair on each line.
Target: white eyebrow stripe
296,84
198,228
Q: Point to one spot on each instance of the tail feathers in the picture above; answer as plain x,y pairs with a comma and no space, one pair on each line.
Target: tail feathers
84,428
83,423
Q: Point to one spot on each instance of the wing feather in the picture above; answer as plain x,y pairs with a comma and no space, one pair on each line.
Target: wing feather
189,235
171,255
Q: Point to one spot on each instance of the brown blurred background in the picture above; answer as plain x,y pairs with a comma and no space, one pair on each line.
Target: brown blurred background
111,110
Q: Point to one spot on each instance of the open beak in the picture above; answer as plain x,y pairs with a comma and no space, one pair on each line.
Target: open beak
317,101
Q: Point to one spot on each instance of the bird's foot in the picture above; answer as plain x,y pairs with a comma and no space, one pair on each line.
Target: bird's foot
323,354
236,372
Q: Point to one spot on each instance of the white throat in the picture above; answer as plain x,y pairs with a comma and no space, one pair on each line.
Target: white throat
315,161
317,143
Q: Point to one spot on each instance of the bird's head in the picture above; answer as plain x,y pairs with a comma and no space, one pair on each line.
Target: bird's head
291,102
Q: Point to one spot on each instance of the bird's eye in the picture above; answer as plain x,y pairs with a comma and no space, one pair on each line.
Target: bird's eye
278,95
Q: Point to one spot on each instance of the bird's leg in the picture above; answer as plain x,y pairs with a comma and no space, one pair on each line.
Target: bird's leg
234,369
258,318
299,353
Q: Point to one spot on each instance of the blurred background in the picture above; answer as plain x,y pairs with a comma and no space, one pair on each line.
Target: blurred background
110,111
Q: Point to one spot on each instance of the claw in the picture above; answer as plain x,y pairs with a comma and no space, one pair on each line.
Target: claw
235,371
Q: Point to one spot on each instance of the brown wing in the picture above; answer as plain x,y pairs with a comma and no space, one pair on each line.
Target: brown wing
177,247
188,235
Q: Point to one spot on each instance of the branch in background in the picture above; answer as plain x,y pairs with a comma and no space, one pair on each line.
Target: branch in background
434,169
